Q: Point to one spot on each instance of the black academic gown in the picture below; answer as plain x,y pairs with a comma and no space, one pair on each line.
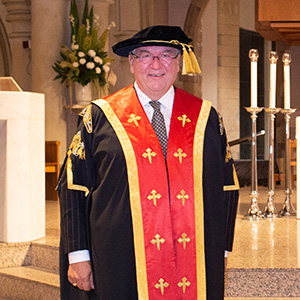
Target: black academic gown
102,223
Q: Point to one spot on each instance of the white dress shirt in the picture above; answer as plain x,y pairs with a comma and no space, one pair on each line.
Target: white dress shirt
166,107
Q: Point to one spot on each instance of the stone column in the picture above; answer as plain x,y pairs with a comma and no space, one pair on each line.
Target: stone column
101,8
154,12
228,68
18,14
130,17
49,27
127,16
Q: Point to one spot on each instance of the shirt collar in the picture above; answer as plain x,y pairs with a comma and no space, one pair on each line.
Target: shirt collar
167,99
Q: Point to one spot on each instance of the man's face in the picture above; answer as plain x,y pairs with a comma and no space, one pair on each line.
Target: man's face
155,76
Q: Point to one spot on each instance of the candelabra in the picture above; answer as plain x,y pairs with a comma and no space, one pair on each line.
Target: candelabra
254,212
287,209
270,209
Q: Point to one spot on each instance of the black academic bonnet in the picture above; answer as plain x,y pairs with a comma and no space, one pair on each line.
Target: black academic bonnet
160,35
171,36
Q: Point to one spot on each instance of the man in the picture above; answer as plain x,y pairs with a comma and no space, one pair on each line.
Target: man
148,190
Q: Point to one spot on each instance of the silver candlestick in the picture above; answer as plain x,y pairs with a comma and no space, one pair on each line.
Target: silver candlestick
270,209
287,209
254,212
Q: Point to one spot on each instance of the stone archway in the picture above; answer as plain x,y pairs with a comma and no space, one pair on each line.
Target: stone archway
193,28
227,43
18,15
5,52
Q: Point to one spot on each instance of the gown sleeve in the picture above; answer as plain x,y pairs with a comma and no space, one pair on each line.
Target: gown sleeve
231,189
75,184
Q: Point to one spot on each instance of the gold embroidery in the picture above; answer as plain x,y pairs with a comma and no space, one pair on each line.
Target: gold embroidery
154,196
133,118
236,185
157,241
228,154
72,186
184,284
184,239
180,154
86,114
135,201
149,154
198,188
221,124
184,119
183,196
77,146
161,285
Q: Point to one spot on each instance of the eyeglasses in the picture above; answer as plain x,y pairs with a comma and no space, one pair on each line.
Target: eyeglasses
149,58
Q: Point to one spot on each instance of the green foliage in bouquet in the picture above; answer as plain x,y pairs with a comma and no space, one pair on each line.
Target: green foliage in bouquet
86,61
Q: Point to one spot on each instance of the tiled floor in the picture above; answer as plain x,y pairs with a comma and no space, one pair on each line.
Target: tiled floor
270,243
229,298
52,224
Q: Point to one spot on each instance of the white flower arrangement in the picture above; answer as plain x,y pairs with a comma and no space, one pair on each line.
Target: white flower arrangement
85,61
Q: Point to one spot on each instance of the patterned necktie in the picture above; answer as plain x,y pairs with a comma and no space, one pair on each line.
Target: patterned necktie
158,124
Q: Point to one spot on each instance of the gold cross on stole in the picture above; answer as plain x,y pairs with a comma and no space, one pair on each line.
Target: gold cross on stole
154,195
184,119
184,283
133,118
184,239
149,154
161,285
183,196
157,241
180,154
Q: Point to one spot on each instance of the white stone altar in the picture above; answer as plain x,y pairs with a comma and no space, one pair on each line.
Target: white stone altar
22,165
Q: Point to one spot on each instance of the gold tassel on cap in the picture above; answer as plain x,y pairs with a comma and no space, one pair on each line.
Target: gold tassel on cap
190,64
187,66
194,61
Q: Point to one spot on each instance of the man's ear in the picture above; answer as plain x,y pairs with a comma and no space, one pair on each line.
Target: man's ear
131,60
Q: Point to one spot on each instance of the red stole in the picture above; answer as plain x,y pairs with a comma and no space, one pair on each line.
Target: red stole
170,261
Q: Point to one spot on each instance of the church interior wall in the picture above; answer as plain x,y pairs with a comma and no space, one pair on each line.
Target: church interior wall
247,14
48,34
295,87
15,16
3,14
209,60
5,51
228,67
295,94
216,37
126,26
177,11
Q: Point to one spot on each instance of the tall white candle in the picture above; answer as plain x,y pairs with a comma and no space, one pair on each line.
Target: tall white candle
286,59
253,55
273,64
